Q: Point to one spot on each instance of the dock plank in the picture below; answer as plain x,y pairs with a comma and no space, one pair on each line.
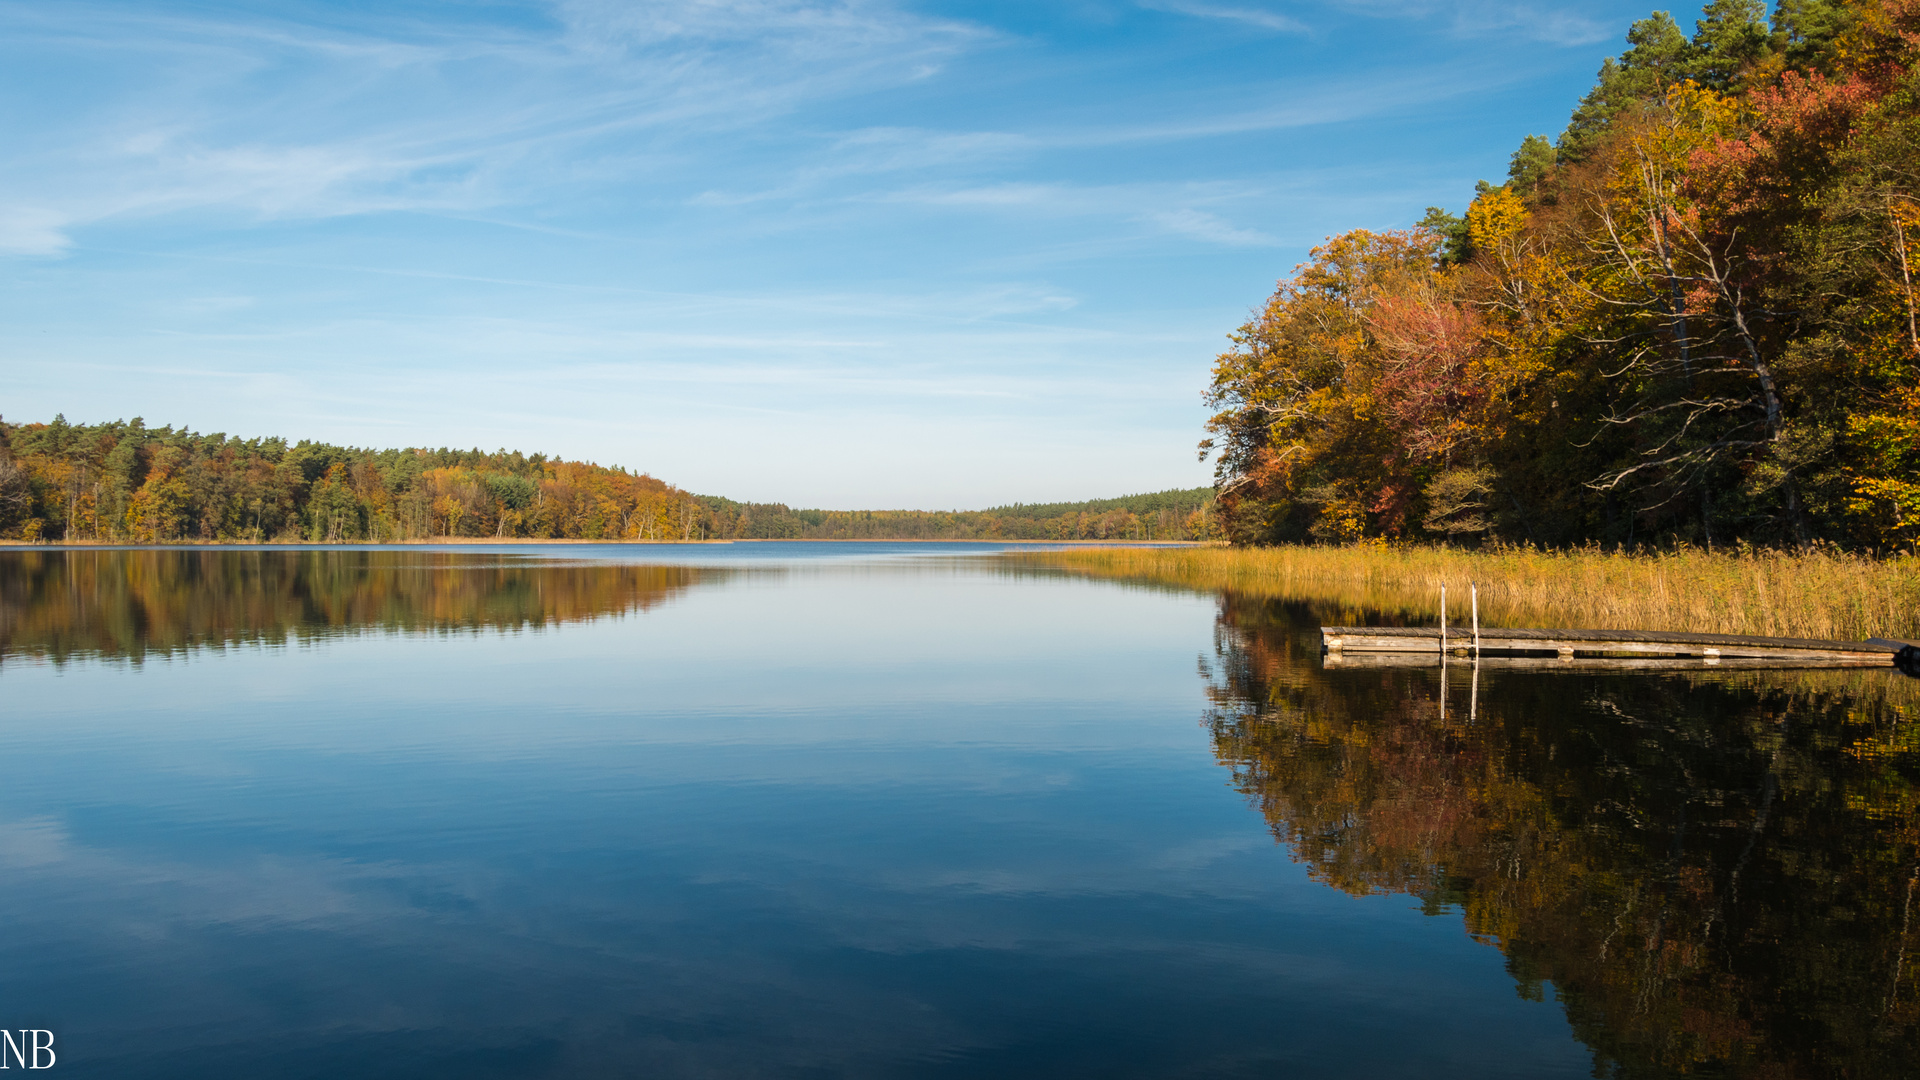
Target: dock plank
1628,643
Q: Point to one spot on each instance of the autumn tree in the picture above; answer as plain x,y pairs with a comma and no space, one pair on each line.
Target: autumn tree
1694,317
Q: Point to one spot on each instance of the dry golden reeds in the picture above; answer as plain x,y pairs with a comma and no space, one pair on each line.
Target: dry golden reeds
1811,594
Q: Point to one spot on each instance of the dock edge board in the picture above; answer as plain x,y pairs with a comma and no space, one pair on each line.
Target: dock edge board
1592,643
1907,655
1427,661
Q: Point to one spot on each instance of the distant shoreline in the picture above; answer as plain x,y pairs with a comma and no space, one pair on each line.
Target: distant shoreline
471,541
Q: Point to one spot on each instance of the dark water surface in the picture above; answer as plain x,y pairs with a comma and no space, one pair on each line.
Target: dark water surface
905,810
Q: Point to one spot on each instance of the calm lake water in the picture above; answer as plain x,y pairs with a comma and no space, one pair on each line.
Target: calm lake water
906,811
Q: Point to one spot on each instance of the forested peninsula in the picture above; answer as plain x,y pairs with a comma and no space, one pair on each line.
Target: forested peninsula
125,482
1690,319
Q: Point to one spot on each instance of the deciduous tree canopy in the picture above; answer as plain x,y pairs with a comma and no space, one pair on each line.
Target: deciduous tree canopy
1690,319
125,481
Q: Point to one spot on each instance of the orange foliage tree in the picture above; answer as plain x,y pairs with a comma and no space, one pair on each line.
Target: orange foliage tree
1695,319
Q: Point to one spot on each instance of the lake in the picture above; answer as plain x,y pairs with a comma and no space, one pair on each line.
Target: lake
913,810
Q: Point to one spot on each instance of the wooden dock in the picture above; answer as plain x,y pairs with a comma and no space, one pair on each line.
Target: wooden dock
1610,649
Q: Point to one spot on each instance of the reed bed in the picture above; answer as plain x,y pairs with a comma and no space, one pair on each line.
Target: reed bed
1818,593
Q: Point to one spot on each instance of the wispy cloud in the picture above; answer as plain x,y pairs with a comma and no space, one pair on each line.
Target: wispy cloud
281,121
873,153
32,230
272,121
1553,23
818,27
1249,16
1557,27
1298,104
1209,227
1164,209
878,151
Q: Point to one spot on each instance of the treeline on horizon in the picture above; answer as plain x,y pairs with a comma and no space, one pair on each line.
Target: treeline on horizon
126,482
1164,515
1691,319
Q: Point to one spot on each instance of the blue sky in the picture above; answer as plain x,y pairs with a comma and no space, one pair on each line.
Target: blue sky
844,253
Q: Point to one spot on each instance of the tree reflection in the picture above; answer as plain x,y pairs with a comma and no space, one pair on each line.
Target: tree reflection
1717,873
134,604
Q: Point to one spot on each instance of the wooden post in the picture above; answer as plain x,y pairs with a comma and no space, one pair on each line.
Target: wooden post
1443,625
1476,621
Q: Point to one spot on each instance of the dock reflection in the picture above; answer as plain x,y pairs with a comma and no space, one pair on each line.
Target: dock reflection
1716,871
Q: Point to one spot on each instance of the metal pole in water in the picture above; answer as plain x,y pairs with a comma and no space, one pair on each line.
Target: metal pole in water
1473,703
1476,620
1443,625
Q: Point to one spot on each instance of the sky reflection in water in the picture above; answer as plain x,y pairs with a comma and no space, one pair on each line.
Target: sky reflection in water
772,813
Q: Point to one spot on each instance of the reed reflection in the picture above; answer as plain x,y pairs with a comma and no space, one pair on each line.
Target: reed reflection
1717,872
133,604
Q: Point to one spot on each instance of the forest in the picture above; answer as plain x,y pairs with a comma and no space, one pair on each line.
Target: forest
125,482
1165,515
1690,319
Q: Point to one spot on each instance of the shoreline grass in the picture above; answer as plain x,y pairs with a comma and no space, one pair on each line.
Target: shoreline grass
1810,594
